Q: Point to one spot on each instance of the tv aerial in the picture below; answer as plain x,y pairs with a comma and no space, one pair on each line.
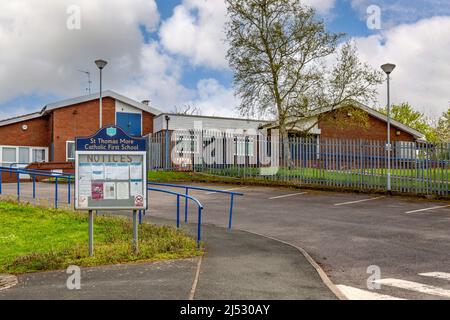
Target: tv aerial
88,73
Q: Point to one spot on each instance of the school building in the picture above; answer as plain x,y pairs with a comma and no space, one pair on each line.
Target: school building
49,134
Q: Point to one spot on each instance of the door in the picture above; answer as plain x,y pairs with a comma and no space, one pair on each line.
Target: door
130,123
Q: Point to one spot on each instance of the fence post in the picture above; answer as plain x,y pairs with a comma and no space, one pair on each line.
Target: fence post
167,149
231,212
186,207
69,190
56,192
178,211
199,227
34,187
18,186
1,177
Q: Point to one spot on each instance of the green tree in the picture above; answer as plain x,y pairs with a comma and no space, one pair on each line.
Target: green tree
288,66
412,118
443,128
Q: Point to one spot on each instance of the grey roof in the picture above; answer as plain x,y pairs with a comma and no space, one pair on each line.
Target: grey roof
81,99
212,117
94,96
25,117
373,113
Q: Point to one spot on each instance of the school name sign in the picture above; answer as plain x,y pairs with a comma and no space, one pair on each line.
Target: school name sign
103,142
110,171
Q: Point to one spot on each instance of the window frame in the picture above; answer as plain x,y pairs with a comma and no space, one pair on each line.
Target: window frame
67,151
17,150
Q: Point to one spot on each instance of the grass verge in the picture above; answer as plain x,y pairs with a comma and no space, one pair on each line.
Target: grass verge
310,178
37,239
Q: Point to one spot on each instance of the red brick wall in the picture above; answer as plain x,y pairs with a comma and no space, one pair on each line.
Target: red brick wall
63,125
83,120
79,120
35,136
375,130
147,123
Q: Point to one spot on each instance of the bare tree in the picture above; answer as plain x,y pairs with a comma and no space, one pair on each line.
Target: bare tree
288,66
187,110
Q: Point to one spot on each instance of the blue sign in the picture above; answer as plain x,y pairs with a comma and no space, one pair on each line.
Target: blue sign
111,138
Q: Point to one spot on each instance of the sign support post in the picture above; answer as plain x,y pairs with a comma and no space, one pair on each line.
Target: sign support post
135,233
91,233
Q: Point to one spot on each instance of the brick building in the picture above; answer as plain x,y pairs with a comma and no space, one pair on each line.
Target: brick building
49,135
355,122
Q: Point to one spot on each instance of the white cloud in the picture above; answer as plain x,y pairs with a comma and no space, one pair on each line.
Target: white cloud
421,52
158,80
196,31
39,54
214,99
322,6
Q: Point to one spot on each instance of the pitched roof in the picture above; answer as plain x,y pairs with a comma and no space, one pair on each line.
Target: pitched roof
94,96
375,114
25,117
212,117
81,99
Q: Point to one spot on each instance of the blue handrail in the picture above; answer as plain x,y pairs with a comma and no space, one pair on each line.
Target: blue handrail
199,204
37,173
187,188
16,164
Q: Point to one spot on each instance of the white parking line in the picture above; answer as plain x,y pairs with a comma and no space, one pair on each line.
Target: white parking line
437,275
358,201
288,195
427,209
358,294
233,189
415,286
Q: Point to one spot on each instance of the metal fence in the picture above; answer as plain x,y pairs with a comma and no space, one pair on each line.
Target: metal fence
417,167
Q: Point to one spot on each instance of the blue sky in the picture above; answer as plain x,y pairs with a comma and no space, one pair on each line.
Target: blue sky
172,54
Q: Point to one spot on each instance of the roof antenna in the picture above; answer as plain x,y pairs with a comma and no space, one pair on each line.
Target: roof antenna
89,80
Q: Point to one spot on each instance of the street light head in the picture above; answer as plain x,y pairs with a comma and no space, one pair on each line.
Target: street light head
101,64
388,68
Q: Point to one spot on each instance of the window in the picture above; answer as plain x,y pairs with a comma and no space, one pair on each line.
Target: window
70,151
38,155
24,155
9,155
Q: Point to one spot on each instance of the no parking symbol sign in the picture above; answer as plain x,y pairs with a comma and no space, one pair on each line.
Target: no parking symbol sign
139,201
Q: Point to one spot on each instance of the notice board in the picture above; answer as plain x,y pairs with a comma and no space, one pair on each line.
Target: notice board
110,171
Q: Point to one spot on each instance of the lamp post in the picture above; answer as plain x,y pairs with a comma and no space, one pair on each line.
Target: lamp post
101,64
167,142
388,68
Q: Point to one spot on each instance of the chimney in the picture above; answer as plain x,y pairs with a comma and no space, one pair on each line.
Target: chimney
146,102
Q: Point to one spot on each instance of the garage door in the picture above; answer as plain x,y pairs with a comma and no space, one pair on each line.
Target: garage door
130,123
